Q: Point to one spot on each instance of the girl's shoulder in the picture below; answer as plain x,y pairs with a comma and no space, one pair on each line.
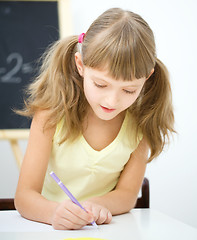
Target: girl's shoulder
41,118
59,128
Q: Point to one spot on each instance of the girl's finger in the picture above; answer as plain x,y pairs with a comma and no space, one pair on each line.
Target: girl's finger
102,216
75,212
96,213
75,219
109,217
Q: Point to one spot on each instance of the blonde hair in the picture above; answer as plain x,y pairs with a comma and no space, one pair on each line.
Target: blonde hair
123,43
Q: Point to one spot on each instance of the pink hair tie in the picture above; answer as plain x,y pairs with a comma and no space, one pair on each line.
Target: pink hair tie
81,37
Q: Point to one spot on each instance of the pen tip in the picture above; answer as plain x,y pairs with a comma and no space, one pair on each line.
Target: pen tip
94,224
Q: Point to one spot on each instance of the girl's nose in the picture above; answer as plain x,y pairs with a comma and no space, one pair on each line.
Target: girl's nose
112,100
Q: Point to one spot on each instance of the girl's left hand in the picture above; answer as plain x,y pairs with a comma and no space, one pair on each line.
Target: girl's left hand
101,214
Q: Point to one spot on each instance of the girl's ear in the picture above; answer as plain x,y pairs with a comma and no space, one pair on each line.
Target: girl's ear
79,63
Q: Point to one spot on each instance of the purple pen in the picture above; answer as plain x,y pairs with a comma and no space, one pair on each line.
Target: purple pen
69,194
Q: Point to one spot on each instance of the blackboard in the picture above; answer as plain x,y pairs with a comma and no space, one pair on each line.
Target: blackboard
26,29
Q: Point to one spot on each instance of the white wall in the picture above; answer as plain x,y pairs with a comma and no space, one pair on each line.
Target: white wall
172,176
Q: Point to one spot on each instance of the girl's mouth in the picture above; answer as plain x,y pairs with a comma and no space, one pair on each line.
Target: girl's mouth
107,110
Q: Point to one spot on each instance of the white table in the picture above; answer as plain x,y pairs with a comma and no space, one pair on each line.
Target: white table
139,224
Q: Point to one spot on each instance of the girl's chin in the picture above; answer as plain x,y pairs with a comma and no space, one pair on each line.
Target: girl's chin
106,115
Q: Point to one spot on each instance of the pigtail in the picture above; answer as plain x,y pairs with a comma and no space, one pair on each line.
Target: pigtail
58,88
154,114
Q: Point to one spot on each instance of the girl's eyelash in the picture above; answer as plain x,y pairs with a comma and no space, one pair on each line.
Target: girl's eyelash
99,86
102,86
129,92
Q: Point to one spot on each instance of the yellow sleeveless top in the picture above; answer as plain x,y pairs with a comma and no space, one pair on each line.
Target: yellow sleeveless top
85,171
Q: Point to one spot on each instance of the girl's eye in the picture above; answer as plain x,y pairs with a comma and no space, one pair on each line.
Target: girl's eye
98,85
129,92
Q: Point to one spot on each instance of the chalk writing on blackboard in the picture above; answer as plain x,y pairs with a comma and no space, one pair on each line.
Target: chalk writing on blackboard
9,75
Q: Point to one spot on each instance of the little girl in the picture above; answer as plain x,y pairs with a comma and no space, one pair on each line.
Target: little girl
102,110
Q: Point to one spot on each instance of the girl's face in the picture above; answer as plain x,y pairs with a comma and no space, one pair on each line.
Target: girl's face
108,97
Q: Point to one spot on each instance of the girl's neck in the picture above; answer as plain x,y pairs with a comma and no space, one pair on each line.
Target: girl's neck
100,133
91,118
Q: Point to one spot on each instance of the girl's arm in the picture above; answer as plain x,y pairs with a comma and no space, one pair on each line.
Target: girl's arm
28,199
123,198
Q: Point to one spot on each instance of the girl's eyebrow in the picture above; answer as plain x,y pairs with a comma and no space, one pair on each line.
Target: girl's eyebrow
105,81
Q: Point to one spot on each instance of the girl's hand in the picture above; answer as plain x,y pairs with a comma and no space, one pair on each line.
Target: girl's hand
68,215
101,214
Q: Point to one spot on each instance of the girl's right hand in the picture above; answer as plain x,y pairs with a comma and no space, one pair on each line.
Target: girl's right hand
69,216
